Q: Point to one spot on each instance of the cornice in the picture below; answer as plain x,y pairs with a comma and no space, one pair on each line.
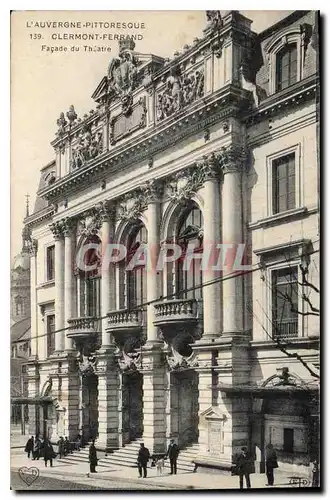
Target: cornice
227,102
40,216
293,96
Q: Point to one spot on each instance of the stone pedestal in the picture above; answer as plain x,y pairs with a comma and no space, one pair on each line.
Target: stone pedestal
154,398
108,389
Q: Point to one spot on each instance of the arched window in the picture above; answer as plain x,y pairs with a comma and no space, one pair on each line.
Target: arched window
136,285
190,232
286,66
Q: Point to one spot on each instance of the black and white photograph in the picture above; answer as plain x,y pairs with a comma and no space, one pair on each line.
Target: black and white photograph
165,250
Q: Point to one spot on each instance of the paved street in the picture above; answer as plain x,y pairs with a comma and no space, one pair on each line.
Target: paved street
54,484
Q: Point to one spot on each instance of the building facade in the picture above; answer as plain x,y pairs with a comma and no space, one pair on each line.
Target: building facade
217,145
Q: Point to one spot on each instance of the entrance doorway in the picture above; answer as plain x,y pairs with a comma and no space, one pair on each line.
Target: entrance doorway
132,406
184,407
89,407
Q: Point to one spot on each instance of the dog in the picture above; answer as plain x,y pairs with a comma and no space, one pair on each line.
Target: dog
160,466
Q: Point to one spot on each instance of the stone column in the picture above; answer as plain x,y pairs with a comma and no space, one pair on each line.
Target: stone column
59,286
232,235
33,391
153,192
34,310
69,302
108,291
108,391
211,293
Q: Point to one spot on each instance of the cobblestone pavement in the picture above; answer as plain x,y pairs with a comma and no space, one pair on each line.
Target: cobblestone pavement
55,484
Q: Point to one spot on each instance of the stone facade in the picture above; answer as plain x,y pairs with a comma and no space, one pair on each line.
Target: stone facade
185,150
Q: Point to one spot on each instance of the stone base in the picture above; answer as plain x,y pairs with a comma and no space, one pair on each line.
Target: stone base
212,466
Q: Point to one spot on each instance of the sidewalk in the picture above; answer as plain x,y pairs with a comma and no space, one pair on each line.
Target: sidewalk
184,481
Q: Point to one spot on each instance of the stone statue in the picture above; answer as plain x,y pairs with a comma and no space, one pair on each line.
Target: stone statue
213,19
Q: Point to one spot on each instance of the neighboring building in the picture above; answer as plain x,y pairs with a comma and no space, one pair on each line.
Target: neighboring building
20,324
217,145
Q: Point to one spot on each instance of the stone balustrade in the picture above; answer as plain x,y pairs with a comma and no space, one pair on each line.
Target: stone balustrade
83,327
177,311
124,320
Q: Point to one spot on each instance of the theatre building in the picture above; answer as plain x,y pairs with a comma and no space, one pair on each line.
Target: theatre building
217,145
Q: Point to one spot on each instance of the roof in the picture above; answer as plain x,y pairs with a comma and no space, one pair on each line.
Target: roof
20,330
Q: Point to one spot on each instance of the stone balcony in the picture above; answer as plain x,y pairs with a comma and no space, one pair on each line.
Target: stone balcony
178,311
125,320
83,328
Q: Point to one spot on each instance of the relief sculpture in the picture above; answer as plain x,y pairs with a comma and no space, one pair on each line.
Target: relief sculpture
88,147
179,92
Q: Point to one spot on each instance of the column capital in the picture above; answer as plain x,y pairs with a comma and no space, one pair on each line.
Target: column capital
57,230
68,226
132,205
153,191
105,210
33,248
232,158
210,167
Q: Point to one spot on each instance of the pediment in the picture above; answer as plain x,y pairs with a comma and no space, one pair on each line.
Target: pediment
213,413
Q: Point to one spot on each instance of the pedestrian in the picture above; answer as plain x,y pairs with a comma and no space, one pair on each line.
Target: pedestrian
29,446
142,460
66,446
36,448
271,464
172,454
60,444
49,453
92,457
243,465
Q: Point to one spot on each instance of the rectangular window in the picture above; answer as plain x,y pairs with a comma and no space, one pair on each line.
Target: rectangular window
51,263
284,183
50,334
93,297
288,439
285,303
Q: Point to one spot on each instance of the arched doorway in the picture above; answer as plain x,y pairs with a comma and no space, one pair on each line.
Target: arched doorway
184,407
132,406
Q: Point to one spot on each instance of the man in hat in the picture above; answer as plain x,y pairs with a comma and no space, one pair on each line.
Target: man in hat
172,454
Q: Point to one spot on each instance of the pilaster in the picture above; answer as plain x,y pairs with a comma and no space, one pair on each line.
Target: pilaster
108,396
154,398
57,230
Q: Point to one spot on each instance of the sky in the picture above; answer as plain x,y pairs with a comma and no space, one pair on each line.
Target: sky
43,83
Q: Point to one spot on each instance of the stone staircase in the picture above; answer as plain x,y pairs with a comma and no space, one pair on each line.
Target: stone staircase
126,457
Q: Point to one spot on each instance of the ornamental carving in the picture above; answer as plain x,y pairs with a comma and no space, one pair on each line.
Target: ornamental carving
213,19
122,75
127,355
89,146
180,91
57,229
87,364
132,205
180,355
185,184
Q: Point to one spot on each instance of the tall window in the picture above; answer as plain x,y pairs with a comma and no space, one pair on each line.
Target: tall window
93,296
90,282
284,183
136,278
188,281
50,334
50,263
286,67
19,306
285,302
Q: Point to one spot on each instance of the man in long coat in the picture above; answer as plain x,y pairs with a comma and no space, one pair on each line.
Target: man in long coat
92,457
172,454
142,460
29,446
